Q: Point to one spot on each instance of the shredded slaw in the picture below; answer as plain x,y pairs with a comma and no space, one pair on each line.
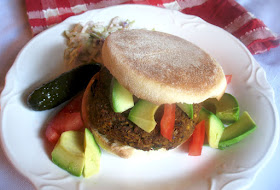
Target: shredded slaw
85,41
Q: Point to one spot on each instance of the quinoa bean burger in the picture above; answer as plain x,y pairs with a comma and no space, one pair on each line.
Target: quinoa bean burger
147,95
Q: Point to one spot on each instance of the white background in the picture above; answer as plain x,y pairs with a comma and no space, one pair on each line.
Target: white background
15,33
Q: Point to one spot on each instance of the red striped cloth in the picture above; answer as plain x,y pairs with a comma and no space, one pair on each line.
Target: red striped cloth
227,14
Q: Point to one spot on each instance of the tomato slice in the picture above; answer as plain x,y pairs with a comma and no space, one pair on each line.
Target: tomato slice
69,118
52,134
167,121
228,78
197,139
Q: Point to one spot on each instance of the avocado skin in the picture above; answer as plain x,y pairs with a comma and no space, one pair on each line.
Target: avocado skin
62,88
237,131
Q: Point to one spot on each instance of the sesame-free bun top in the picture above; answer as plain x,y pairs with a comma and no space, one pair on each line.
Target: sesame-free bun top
162,68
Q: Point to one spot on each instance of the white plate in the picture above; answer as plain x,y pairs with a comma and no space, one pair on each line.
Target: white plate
235,167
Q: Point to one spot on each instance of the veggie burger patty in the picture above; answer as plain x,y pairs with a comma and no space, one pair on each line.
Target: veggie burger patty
116,126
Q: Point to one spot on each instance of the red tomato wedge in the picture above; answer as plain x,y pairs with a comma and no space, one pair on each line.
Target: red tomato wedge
228,78
69,118
197,139
167,121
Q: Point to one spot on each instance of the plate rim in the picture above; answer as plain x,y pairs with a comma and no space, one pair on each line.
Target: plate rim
263,161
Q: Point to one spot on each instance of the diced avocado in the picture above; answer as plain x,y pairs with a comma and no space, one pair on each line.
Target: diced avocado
122,99
213,126
210,104
226,109
187,108
237,131
142,114
68,153
92,155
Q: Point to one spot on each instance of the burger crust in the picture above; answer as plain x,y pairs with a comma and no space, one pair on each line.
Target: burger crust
118,149
113,148
162,68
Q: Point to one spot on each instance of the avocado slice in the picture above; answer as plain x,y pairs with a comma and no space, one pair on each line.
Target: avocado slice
68,153
237,131
142,114
122,99
226,109
213,126
92,155
187,108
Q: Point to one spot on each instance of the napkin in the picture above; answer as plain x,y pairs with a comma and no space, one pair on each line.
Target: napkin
227,14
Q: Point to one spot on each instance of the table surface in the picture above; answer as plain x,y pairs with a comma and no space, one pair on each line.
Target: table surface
16,33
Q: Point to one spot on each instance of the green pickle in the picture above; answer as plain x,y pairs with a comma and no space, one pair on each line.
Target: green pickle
63,88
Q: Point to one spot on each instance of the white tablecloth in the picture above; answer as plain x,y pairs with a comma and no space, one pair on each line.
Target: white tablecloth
15,33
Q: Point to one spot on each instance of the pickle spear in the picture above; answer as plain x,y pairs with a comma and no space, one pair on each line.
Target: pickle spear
63,88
